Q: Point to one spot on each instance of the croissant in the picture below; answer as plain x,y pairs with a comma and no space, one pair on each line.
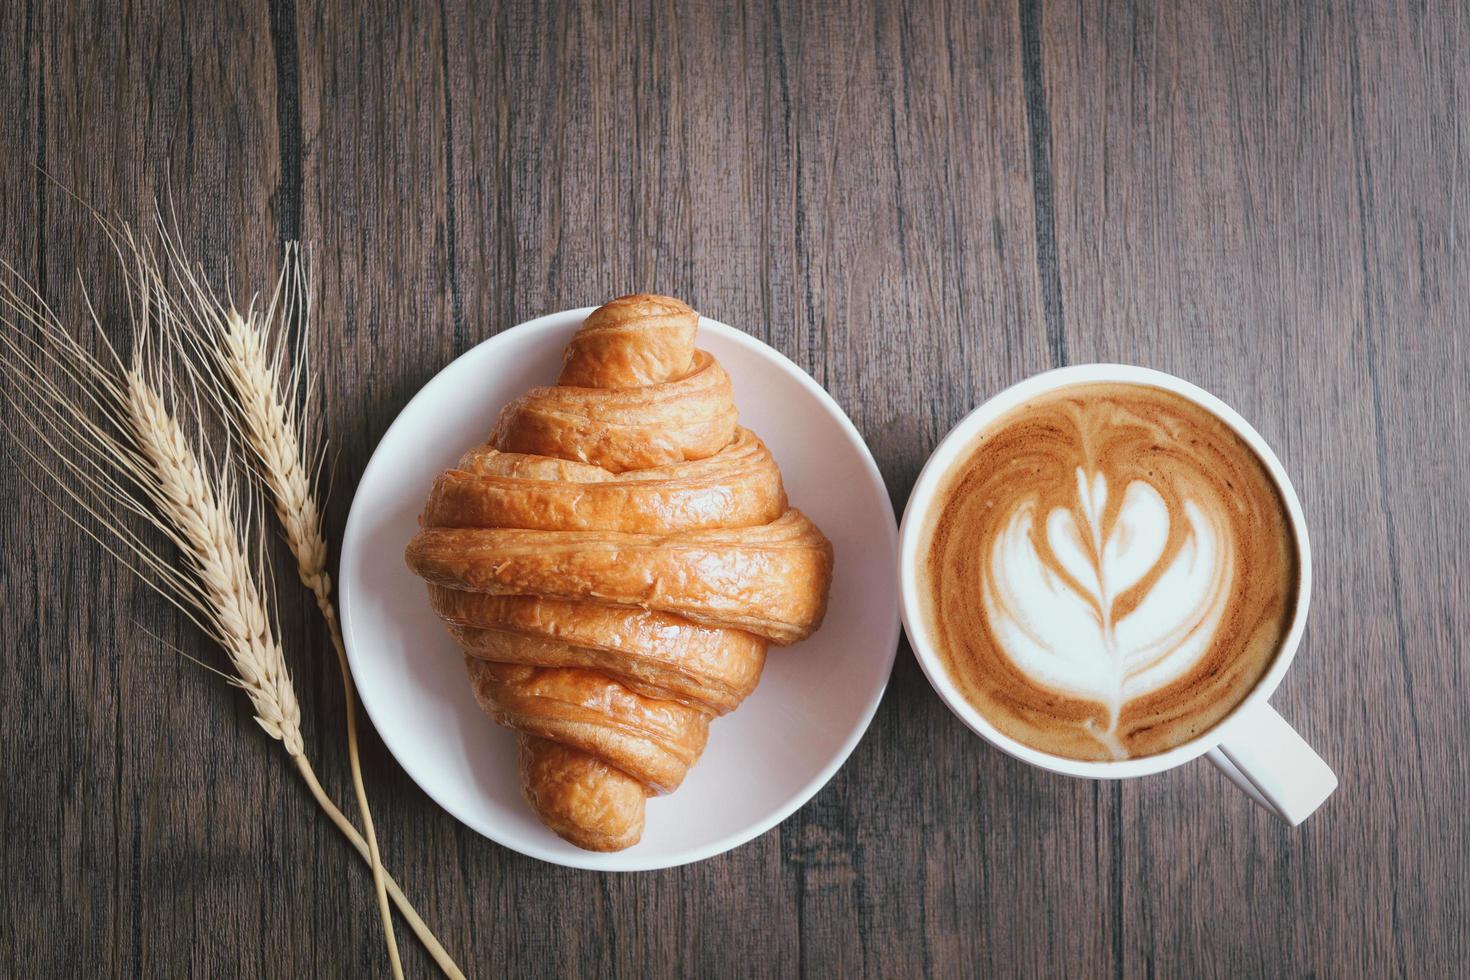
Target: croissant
614,563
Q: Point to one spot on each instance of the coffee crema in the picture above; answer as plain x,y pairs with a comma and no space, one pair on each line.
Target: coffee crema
1110,569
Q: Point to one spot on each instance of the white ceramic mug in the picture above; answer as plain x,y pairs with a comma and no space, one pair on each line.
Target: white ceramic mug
1252,745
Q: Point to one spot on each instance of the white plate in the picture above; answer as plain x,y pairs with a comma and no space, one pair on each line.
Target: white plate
769,757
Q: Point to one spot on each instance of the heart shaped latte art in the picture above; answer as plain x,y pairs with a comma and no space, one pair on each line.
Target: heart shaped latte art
1103,610
1109,571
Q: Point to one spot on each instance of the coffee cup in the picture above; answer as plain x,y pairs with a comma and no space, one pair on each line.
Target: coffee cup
1250,743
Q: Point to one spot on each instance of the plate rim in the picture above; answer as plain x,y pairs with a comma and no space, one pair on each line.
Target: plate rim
616,861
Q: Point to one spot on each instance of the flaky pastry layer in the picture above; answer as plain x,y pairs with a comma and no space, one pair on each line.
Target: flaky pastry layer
651,652
768,580
739,486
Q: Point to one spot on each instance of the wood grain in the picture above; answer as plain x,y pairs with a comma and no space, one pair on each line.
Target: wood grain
918,203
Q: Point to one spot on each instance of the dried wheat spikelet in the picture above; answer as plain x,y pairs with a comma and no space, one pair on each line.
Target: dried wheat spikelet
112,444
241,362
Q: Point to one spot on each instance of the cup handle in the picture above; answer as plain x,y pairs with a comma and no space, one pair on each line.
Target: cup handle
1264,756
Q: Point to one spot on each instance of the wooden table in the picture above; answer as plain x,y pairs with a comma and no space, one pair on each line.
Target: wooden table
920,204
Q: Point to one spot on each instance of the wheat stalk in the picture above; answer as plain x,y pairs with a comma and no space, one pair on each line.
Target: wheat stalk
246,376
118,453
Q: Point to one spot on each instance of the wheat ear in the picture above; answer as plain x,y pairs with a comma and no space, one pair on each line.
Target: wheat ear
137,460
118,454
245,374
204,514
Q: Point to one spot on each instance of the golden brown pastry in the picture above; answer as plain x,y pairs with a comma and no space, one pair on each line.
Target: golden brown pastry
614,562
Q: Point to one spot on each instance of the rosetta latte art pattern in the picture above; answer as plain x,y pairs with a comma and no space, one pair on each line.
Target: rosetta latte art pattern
1111,571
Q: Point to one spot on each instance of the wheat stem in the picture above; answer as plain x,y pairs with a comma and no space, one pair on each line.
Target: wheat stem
231,365
420,929
121,452
243,370
272,430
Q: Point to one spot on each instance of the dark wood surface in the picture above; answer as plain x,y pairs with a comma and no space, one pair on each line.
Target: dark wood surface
920,204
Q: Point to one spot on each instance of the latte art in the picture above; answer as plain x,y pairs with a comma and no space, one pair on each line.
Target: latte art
1063,619
1111,571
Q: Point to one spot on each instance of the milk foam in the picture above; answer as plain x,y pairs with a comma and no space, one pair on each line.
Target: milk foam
1060,622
